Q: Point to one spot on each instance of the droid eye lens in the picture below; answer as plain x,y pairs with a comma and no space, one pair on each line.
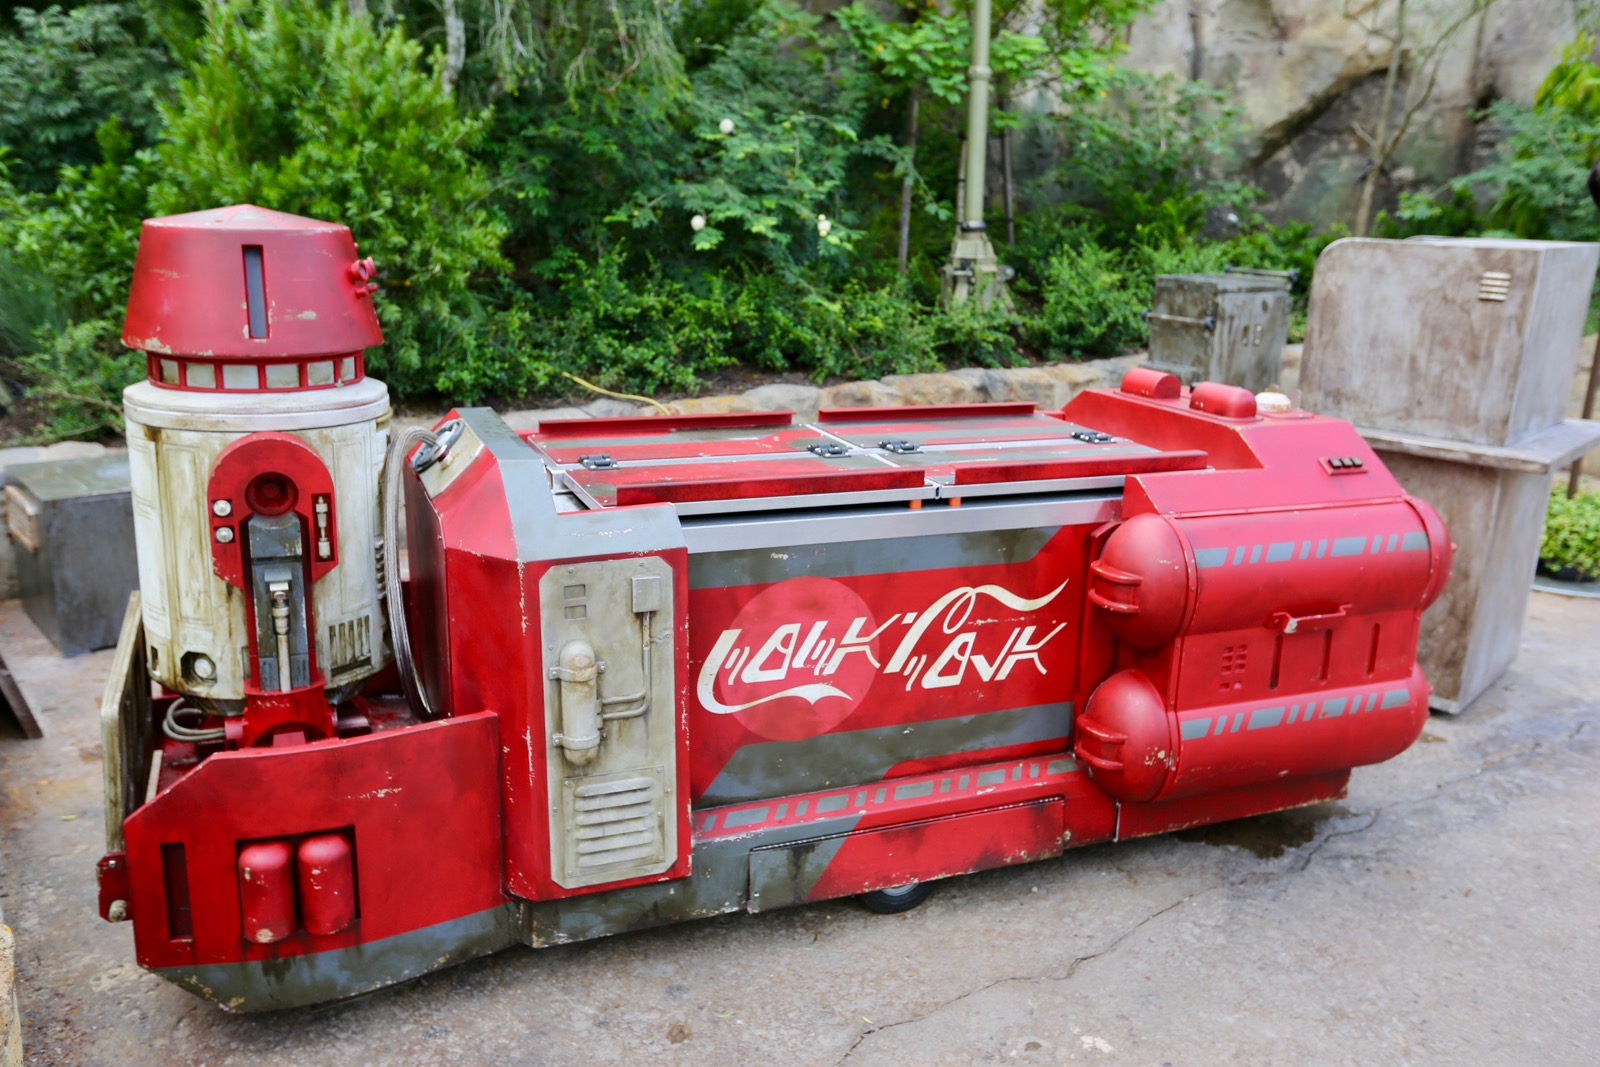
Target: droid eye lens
270,494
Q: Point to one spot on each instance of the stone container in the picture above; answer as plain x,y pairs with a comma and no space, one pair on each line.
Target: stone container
70,524
1455,359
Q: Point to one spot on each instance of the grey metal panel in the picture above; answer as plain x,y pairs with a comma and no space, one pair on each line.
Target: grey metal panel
595,602
725,534
832,559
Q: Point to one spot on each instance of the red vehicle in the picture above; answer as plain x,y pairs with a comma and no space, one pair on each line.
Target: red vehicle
662,668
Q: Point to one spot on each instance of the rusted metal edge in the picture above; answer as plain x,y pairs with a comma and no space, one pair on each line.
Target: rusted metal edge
11,700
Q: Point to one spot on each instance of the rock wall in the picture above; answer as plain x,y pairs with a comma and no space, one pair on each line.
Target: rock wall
1309,75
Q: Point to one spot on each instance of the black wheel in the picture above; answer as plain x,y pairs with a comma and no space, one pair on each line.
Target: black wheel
899,898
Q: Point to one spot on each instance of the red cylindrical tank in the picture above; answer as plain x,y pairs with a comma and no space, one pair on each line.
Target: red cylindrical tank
1157,576
266,891
1138,750
327,883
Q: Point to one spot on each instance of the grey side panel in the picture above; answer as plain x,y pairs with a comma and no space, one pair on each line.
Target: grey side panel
720,883
313,979
718,570
785,768
783,877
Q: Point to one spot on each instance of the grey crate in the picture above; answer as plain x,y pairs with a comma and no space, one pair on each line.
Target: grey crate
70,524
1474,340
1220,327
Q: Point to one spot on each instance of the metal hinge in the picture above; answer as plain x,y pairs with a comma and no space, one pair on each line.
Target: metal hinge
827,448
899,447
597,462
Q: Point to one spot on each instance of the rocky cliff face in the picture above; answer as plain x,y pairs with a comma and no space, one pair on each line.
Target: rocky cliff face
1309,75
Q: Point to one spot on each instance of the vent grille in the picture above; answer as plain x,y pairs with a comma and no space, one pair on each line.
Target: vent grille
1494,286
616,821
22,518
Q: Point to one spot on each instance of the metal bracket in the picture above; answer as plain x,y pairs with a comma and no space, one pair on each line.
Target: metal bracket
1092,437
599,461
827,448
899,447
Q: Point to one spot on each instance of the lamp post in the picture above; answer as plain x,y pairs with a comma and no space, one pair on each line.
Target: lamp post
974,270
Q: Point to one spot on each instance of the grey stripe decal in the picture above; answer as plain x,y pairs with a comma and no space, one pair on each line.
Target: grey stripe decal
913,790
1255,554
1349,546
717,570
1414,541
1262,718
1211,557
1394,698
1193,728
1332,709
1279,551
294,981
784,768
747,817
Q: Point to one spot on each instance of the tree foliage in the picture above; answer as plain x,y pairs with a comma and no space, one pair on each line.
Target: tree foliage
65,72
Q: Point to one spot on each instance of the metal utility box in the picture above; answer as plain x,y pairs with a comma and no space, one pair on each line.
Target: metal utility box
1455,358
70,524
1221,327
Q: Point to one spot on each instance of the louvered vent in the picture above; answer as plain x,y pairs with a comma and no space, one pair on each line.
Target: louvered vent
1494,286
615,821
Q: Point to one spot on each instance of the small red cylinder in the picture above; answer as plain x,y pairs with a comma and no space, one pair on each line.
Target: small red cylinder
327,883
1155,384
266,891
1229,401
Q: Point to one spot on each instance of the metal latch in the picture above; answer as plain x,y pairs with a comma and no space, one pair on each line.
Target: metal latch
827,448
597,462
1092,437
899,447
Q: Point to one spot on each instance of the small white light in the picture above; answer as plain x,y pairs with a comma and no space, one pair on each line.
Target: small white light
726,126
823,225
697,223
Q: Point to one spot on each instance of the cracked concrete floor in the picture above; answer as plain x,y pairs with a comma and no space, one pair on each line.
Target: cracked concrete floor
1448,911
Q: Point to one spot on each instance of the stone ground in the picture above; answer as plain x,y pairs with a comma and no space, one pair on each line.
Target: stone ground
1445,912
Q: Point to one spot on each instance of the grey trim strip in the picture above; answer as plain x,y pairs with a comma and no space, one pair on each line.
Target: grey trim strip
726,534
854,757
295,981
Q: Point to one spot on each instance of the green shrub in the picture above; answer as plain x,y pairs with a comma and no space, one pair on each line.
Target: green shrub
298,106
1572,534
1092,304
65,264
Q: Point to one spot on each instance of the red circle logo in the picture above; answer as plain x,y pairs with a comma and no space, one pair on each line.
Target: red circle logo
795,662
